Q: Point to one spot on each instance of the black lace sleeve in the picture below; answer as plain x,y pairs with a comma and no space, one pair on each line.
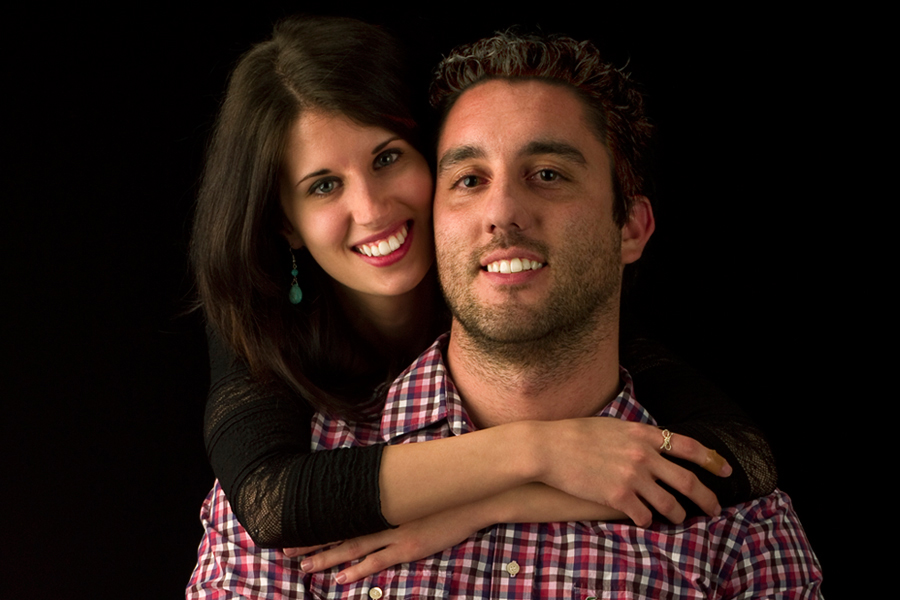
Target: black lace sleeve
684,402
258,442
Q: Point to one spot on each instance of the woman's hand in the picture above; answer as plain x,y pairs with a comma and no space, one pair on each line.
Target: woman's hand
406,543
532,503
619,464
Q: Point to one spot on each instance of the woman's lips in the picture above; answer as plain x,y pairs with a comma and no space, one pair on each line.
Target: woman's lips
388,250
386,245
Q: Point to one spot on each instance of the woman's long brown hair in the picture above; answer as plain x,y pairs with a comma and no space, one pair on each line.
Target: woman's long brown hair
241,262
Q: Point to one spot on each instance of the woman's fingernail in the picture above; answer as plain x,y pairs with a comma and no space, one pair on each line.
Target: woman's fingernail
717,465
340,577
306,565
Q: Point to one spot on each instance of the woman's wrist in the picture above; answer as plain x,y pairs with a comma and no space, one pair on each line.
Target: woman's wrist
487,512
526,447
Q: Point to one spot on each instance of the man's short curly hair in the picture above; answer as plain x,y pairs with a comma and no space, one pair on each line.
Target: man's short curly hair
614,105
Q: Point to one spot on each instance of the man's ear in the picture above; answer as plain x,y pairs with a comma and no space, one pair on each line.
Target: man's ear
290,234
637,230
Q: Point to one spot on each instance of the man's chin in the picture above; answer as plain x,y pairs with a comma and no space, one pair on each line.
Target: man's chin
507,325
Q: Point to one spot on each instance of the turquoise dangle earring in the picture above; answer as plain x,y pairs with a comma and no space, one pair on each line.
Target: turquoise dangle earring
296,294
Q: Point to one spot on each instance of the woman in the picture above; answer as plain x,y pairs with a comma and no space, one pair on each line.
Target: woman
315,183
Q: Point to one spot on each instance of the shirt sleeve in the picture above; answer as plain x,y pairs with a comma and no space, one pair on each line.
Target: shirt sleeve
686,403
258,443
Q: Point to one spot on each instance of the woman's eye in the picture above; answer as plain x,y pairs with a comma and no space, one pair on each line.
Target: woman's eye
324,187
387,158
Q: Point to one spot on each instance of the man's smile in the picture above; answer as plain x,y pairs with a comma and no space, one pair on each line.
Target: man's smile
516,265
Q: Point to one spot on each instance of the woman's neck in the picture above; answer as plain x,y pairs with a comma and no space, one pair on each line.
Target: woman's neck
395,325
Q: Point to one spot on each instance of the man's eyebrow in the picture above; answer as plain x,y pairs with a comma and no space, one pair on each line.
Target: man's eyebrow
557,148
454,156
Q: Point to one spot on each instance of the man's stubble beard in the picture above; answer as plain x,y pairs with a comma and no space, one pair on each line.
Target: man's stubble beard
581,309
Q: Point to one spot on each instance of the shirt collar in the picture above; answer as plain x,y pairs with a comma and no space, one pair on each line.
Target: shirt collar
423,396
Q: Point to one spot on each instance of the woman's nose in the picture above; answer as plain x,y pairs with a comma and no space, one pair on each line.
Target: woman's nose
371,204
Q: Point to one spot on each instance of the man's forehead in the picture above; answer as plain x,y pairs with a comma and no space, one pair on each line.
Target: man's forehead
525,114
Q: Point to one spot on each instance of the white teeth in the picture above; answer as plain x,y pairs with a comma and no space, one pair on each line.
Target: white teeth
516,265
386,246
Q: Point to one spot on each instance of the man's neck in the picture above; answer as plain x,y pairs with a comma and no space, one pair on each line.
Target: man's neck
545,382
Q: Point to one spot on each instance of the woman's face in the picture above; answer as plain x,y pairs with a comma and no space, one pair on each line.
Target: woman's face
359,199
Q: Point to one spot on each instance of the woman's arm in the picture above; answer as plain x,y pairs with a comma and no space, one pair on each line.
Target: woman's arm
630,448
670,390
606,461
286,496
531,503
258,441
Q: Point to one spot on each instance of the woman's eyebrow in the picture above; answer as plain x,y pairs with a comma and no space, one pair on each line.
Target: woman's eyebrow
381,146
376,150
313,174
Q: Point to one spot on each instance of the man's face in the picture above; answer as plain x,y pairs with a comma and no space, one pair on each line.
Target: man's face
526,242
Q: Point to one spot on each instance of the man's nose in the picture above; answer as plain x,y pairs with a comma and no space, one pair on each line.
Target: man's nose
506,207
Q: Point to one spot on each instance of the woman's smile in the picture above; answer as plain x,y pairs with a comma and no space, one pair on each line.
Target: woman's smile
384,244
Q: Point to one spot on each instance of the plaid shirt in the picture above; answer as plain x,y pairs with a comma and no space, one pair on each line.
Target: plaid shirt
756,549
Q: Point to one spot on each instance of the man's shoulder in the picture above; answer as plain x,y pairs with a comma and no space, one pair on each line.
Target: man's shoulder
760,508
767,520
766,550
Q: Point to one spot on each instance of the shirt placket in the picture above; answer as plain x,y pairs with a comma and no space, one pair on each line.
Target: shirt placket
513,570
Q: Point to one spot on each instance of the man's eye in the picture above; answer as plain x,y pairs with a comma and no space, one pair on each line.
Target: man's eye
547,175
387,158
469,181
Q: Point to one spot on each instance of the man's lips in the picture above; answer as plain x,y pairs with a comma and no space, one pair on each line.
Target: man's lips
514,265
512,260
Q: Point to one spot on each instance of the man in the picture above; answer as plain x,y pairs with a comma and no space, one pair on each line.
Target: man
538,209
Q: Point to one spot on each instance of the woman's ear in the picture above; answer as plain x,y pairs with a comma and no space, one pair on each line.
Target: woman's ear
637,230
291,234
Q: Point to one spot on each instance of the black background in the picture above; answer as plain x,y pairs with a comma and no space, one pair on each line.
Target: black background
749,275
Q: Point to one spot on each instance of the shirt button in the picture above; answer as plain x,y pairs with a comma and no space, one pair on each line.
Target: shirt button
375,593
513,568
